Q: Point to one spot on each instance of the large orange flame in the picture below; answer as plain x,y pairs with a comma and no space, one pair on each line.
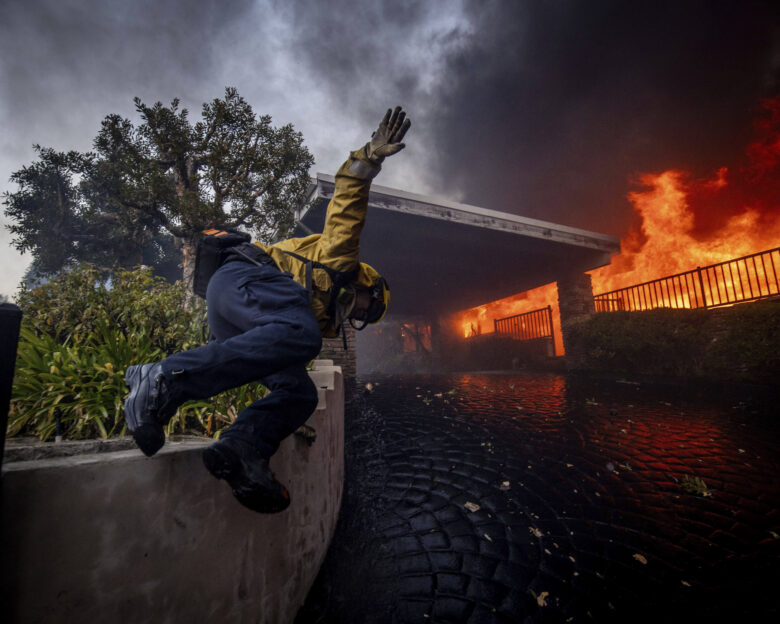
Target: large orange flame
688,223
685,223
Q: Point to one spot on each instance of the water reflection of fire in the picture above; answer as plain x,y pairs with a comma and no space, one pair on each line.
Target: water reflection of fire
685,223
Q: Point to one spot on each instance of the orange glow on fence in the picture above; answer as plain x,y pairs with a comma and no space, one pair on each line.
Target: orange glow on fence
479,320
685,223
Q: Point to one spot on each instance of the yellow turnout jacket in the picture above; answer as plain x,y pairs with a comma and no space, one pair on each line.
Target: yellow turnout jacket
338,246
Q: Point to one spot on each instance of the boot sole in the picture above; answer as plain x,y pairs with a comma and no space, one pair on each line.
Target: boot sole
218,464
250,494
148,437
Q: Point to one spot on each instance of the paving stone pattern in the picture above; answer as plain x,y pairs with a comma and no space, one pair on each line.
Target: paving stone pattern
583,512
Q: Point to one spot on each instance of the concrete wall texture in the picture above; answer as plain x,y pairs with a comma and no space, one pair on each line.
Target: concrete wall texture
118,537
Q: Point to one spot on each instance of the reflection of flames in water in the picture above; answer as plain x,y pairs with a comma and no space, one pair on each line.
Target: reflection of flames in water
685,223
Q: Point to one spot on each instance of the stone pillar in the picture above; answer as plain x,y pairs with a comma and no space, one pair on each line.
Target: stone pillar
575,301
333,349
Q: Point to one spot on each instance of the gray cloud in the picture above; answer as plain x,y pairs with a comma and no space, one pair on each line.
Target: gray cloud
549,109
555,105
65,64
545,109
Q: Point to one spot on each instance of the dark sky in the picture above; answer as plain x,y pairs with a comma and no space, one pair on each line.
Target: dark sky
546,109
556,105
552,109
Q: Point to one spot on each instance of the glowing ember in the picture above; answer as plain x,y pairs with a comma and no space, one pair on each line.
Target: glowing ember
685,223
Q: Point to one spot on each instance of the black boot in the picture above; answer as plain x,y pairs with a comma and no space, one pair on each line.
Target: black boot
248,475
148,407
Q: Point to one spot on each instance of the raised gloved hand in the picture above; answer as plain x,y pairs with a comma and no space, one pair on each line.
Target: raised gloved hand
386,141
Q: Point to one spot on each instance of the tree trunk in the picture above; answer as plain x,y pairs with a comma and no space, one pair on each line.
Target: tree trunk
188,248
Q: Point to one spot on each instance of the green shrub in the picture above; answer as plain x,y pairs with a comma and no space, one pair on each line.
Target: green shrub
739,342
80,333
133,302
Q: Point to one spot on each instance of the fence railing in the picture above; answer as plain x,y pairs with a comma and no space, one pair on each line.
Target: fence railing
528,325
748,278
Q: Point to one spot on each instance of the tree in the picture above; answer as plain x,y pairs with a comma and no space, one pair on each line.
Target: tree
164,181
57,221
231,169
47,209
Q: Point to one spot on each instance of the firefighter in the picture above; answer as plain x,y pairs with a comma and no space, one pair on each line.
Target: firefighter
268,308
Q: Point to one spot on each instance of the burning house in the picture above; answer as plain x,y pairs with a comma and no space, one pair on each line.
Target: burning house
697,243
460,271
441,257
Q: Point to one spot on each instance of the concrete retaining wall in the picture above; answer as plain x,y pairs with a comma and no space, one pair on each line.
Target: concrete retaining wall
118,537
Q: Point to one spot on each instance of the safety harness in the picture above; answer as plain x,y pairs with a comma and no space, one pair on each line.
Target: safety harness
339,279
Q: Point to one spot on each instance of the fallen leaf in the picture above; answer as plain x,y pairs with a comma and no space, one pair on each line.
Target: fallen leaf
541,599
686,583
488,538
472,507
640,558
536,532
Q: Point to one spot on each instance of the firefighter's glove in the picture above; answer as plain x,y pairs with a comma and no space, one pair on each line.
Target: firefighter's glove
386,141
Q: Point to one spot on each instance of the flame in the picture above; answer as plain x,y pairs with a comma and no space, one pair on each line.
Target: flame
685,223
670,244
480,319
688,223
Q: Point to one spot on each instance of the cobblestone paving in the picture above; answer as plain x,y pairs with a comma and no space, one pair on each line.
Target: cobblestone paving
546,498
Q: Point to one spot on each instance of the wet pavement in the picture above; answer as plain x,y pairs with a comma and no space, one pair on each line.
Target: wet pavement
554,498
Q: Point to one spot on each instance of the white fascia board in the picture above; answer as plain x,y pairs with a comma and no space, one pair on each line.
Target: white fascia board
396,200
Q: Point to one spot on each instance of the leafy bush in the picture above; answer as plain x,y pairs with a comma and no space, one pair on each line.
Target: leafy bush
135,303
79,334
739,342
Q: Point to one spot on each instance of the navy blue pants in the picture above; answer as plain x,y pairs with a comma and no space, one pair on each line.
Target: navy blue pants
265,331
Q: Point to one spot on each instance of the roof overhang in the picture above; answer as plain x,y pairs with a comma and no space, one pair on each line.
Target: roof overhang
442,256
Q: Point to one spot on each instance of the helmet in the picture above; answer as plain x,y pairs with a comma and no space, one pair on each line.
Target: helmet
368,280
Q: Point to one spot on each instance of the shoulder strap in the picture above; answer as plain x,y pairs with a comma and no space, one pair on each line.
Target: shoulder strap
339,278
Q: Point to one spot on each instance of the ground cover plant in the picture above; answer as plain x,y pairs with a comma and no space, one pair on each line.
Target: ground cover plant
81,330
740,342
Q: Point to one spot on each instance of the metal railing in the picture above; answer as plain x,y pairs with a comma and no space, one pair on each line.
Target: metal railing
528,325
748,278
